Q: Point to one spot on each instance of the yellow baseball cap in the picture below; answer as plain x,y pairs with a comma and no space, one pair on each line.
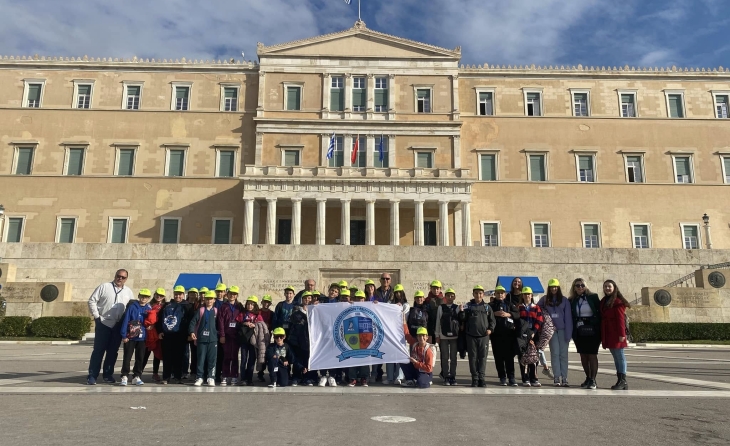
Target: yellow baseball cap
526,290
266,298
289,288
478,288
192,290
278,332
450,291
398,287
221,287
145,292
253,299
436,283
160,291
369,282
234,289
306,293
553,282
360,294
181,289
419,293
210,294
204,290
499,288
421,331
342,284
345,292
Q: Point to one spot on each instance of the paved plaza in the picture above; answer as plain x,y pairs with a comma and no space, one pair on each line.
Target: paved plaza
677,396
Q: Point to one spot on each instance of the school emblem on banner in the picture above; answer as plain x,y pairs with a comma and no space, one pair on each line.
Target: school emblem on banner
358,333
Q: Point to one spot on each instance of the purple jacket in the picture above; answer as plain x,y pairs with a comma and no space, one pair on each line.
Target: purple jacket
562,316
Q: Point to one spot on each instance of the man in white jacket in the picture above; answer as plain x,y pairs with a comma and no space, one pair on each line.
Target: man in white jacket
107,304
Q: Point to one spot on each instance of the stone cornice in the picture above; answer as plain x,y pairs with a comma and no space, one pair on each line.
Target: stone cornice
130,64
592,72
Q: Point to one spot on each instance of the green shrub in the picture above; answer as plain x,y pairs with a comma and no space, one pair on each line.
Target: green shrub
71,327
672,331
14,326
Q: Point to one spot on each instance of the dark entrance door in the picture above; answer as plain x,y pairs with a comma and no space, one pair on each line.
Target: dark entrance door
357,232
283,236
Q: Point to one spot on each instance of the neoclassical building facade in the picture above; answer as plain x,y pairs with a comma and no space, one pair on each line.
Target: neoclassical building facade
362,138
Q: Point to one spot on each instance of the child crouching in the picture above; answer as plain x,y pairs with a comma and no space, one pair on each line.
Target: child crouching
278,357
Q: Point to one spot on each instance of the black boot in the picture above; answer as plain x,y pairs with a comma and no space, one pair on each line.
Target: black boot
621,384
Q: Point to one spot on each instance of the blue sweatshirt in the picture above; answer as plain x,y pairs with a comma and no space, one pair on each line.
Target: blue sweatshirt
562,315
135,314
282,313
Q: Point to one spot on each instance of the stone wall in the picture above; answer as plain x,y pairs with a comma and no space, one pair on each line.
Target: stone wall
267,269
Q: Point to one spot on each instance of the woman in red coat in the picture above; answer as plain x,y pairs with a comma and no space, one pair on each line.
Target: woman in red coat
613,329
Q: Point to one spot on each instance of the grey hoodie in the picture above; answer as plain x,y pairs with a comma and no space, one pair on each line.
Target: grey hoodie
108,303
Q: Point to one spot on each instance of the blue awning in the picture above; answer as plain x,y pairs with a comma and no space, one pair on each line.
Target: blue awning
191,280
531,281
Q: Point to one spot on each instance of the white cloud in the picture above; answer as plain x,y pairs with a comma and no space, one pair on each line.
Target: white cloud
659,57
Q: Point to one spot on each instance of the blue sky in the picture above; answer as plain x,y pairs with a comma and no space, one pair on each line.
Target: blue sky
691,33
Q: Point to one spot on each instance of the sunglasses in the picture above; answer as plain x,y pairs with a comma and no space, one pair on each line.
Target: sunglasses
121,277
385,278
580,285
278,337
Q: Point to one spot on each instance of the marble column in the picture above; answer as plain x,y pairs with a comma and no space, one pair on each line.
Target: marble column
418,229
370,222
248,221
458,226
321,215
444,223
296,221
395,222
345,221
271,221
466,219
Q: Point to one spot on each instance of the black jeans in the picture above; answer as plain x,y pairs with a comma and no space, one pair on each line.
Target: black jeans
106,341
503,350
173,353
478,349
136,348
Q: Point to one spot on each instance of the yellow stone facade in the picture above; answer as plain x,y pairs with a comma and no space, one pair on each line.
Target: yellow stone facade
444,201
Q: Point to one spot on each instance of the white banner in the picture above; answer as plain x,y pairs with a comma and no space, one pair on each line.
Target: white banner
349,335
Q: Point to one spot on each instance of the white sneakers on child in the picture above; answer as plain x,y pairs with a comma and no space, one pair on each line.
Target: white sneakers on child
123,382
272,385
211,382
198,382
331,381
223,382
137,381
322,381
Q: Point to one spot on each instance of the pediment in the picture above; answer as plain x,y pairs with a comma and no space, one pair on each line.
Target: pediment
359,42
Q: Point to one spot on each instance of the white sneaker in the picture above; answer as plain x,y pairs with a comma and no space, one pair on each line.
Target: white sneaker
272,385
123,382
234,381
211,382
331,381
294,383
223,382
397,382
409,383
322,381
137,381
198,382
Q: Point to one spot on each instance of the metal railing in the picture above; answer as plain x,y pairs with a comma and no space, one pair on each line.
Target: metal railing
689,279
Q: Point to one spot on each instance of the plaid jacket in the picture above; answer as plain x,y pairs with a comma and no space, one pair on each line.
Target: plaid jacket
533,316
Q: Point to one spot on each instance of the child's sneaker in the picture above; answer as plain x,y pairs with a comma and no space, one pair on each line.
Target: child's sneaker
91,381
446,382
409,383
397,382
198,382
123,382
452,381
272,384
224,382
557,384
294,383
387,382
331,381
548,372
352,383
322,381
364,382
137,381
503,382
536,384
525,384
234,381
211,382
512,382
309,383
185,376
156,377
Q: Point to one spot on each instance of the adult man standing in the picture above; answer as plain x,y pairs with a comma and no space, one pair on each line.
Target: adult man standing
384,293
479,323
309,285
107,304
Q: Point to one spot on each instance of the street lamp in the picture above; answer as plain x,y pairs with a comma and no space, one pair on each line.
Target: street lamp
708,239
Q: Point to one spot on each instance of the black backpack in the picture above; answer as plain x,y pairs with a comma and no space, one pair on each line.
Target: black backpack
449,321
417,317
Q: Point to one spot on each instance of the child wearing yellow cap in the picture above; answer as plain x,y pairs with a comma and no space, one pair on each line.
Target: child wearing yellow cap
419,372
204,332
173,331
250,339
153,341
230,314
134,334
279,357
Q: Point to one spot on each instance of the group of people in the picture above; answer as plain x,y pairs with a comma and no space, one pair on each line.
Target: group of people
203,333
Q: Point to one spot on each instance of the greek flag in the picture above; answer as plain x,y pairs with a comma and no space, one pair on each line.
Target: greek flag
331,149
380,148
348,1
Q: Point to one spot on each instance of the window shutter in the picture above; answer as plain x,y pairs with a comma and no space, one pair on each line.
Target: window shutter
15,229
222,231
177,161
359,97
585,162
641,231
537,168
590,230
726,161
490,229
34,92
230,92
119,230
627,98
422,93
488,168
541,229
682,165
25,161
291,158
133,90
690,231
337,100
169,230
675,106
225,163
181,92
126,162
381,98
84,89
424,160
66,234
75,161
292,98
636,160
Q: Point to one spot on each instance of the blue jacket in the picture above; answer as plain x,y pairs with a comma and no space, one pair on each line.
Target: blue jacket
135,314
562,316
282,313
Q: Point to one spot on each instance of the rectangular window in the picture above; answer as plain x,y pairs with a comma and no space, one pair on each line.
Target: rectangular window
634,169
533,104
24,162
170,231
118,230
676,106
357,232
338,154
176,163
182,98
683,167
628,105
361,159
291,157
337,94
423,100
230,99
691,236
226,163
293,98
586,172
66,230
721,105
726,167
359,94
580,104
486,103
381,94
134,93
429,233
283,232
488,167
424,160
34,95
15,230
537,168
75,162
591,235
83,97
541,235
491,234
221,232
381,155
126,162
641,236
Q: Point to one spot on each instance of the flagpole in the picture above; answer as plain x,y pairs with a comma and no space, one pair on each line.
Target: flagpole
358,10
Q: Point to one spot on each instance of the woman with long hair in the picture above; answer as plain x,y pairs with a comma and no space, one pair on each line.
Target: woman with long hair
613,329
393,372
586,313
515,292
558,307
249,355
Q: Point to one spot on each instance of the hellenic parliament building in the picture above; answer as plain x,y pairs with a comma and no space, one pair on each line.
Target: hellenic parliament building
360,138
